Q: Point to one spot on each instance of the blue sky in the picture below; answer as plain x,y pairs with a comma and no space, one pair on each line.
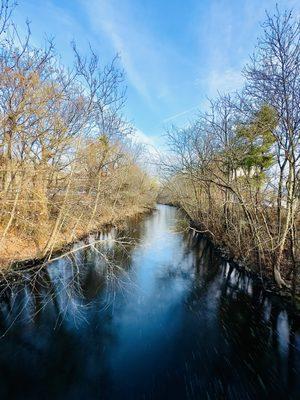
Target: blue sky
175,53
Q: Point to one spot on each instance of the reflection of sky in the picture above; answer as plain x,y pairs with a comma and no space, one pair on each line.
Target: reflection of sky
168,323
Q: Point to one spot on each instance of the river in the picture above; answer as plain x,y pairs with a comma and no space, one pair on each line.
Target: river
148,312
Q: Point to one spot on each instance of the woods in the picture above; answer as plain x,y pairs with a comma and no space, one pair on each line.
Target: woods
67,160
149,235
68,163
235,170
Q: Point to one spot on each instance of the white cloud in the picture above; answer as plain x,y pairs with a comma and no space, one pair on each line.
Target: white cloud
142,55
220,81
154,144
153,147
142,138
180,114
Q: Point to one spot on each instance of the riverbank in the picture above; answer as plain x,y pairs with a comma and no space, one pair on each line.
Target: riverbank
18,251
167,299
262,276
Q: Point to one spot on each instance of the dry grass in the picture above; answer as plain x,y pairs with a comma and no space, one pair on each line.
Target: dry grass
16,248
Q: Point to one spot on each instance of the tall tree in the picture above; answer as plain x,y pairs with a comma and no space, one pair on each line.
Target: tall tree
273,78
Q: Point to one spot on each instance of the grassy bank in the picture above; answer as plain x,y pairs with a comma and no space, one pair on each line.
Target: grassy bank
21,251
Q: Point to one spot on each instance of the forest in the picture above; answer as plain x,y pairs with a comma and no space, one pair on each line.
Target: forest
150,200
235,169
68,163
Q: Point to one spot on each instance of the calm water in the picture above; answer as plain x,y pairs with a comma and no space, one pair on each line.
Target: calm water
147,313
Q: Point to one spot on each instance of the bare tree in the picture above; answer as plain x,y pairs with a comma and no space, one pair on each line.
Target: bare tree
64,166
273,77
235,170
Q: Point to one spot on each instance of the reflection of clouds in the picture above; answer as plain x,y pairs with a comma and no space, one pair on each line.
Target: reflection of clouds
158,301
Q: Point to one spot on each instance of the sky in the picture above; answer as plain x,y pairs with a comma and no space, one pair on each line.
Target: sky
175,53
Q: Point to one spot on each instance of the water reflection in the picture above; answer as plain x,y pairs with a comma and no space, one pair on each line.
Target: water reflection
155,316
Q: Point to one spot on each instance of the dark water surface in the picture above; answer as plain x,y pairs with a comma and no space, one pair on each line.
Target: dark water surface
161,318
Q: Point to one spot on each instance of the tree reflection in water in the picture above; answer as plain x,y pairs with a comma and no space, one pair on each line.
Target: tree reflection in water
160,315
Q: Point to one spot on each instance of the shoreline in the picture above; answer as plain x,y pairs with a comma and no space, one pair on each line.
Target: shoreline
21,264
268,285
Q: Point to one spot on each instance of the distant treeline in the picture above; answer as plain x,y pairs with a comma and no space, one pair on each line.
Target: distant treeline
236,169
67,163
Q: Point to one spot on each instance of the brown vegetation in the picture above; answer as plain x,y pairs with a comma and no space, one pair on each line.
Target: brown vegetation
236,169
67,164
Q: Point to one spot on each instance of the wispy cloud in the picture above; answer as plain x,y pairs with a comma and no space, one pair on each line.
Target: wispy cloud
221,81
153,143
180,114
141,55
140,137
